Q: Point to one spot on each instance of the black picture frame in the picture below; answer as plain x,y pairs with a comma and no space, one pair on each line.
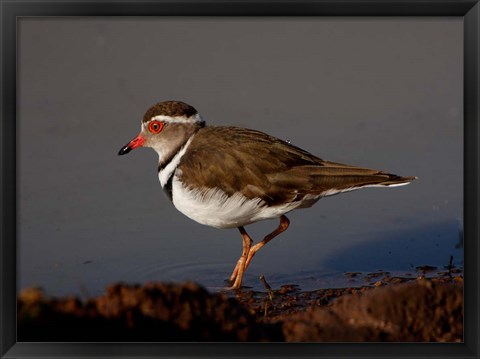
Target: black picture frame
11,11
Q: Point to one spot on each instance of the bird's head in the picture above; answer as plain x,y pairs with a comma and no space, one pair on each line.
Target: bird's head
165,125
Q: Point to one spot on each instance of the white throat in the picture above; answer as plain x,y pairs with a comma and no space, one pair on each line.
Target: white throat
167,172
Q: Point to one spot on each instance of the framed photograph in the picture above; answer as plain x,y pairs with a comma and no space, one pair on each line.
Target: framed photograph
236,234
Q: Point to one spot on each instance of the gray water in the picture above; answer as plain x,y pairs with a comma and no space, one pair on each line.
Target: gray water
383,93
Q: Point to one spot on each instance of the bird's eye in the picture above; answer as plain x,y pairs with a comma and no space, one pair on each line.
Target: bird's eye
155,126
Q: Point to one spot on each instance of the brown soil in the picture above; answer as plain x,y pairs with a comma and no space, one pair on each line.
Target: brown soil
392,309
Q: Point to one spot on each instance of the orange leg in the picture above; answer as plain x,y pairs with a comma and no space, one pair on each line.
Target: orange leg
237,274
282,227
245,259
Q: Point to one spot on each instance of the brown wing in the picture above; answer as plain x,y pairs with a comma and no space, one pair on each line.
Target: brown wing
258,165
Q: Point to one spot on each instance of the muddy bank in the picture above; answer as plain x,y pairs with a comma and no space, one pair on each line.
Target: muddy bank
401,310
424,311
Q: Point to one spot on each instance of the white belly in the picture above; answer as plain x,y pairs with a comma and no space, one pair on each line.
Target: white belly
214,208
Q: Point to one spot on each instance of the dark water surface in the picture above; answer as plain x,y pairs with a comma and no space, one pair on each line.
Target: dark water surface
380,93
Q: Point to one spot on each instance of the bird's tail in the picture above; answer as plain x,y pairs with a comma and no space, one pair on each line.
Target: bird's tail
395,180
335,178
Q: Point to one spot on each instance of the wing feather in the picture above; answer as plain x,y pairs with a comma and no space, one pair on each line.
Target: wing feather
262,166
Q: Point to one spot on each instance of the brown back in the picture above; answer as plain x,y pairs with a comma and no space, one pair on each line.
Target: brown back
258,165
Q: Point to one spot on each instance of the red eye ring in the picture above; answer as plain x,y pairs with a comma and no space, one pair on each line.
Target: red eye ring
155,126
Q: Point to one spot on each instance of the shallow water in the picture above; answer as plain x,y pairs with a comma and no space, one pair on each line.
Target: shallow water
387,96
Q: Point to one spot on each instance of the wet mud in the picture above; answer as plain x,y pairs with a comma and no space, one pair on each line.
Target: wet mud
386,308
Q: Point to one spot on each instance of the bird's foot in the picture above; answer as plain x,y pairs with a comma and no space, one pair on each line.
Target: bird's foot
233,285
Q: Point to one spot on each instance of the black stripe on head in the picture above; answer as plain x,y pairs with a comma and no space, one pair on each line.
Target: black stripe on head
170,108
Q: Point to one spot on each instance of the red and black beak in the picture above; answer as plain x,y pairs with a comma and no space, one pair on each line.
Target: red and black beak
136,142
